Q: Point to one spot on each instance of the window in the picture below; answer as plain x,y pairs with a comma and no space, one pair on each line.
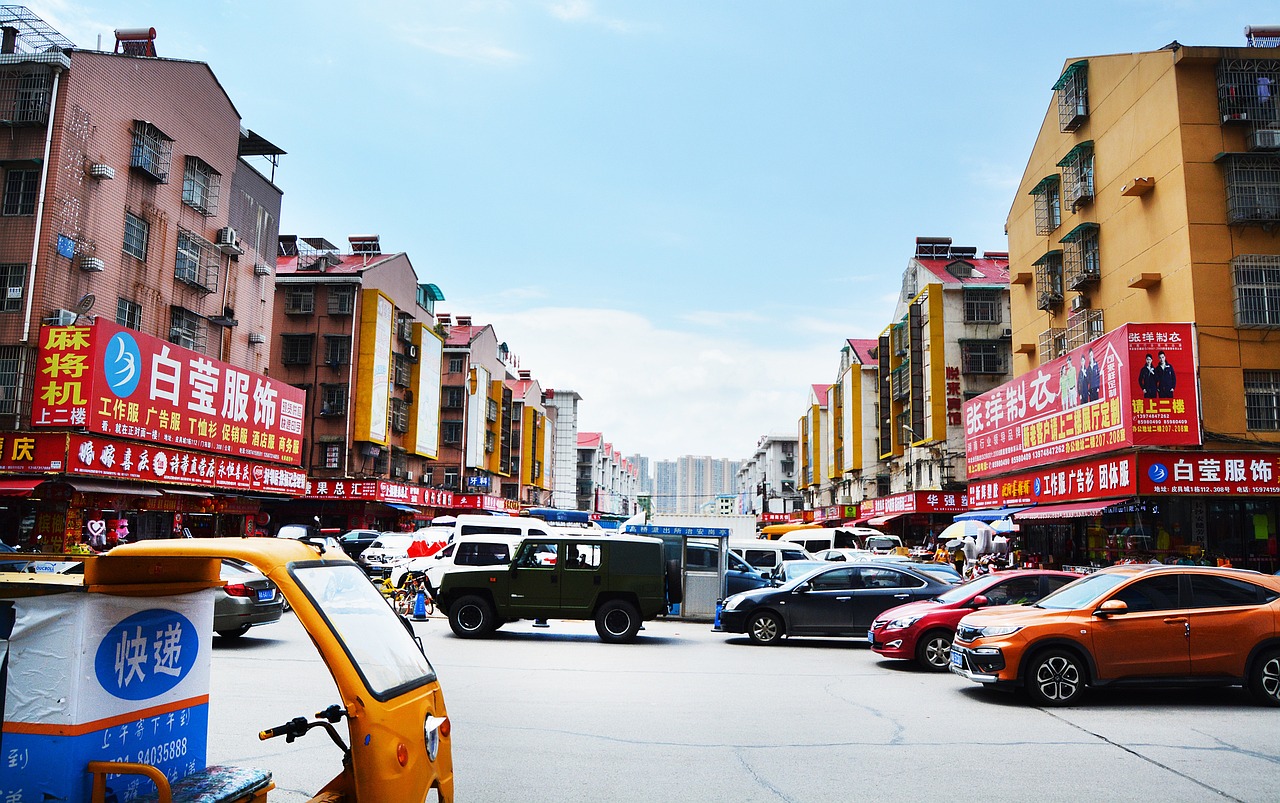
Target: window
450,478
13,277
186,329
342,299
537,555
20,189
200,186
300,300
1073,96
1152,594
1080,256
128,313
24,94
982,306
491,410
454,398
456,365
400,367
136,233
1253,187
479,553
14,362
333,455
1049,280
488,442
451,432
1018,591
337,350
1262,400
195,264
1256,290
297,349
837,580
152,150
333,399
982,357
1048,204
582,556
1226,592
1077,175
399,416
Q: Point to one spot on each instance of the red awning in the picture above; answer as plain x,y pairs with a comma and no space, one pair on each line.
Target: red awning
1073,511
18,487
880,521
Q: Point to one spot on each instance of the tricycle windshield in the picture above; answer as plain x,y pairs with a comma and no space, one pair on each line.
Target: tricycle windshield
376,639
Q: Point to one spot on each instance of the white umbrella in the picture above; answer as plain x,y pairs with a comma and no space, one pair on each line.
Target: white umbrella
967,528
1003,526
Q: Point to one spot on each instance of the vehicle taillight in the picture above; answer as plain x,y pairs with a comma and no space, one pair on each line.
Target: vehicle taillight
238,590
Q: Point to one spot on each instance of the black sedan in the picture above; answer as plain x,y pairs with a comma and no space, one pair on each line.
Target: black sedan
842,600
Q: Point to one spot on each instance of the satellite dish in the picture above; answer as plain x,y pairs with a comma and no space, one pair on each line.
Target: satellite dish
86,303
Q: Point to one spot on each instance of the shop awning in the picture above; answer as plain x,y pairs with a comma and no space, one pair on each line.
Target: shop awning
405,508
990,514
1073,511
18,487
183,492
880,521
94,487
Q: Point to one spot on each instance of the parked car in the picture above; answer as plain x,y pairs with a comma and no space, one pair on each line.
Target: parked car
840,599
311,535
765,555
789,570
465,551
883,544
247,600
816,539
1129,625
354,542
923,631
388,551
843,555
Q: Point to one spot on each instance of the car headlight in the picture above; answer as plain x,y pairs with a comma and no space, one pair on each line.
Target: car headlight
905,621
733,602
993,631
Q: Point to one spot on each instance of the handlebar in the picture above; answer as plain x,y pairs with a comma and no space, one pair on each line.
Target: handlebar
298,726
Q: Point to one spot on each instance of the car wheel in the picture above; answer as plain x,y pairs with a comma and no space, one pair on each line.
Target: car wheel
1264,680
933,650
1055,678
471,617
765,628
236,633
617,622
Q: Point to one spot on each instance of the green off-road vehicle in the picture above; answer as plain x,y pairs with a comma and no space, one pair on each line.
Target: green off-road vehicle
617,580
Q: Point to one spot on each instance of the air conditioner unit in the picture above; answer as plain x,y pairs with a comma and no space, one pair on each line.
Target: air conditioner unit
102,171
63,317
1265,139
1007,333
1079,303
412,353
261,269
408,397
227,236
408,476
257,339
92,264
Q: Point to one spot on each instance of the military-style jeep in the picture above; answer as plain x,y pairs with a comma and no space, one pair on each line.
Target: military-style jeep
617,580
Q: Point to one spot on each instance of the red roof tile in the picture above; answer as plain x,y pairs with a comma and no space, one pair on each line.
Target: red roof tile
862,349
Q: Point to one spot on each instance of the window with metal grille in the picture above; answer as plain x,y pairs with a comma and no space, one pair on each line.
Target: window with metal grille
337,350
1073,96
451,432
455,365
1084,326
200,186
297,349
491,410
1253,187
1081,261
128,313
1053,343
1077,175
136,233
982,357
152,151
1256,290
13,277
195,263
399,416
488,441
400,370
300,300
453,398
24,94
186,329
1262,400
20,190
333,455
450,478
333,399
1049,280
1048,204
1247,90
15,362
982,306
342,299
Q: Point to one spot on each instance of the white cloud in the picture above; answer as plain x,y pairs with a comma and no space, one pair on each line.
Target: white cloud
583,11
458,43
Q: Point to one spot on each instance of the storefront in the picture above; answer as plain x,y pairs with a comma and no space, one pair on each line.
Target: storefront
916,516
363,505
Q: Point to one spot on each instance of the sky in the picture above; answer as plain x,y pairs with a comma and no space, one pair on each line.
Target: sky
679,210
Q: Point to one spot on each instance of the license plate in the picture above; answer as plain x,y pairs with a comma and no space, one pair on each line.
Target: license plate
957,659
871,638
266,595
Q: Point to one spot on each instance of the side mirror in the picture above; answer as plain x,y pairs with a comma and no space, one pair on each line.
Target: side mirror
980,601
1112,607
803,588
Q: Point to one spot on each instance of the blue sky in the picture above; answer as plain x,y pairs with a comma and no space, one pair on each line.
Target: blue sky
678,209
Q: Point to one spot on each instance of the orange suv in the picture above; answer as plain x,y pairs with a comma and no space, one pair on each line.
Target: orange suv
1135,624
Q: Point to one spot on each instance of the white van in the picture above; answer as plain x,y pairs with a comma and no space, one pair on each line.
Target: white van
765,555
817,539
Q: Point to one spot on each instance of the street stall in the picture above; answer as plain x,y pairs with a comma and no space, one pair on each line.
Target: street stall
702,581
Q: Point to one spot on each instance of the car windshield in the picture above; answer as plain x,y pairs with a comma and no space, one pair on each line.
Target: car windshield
966,590
394,541
794,582
882,542
1082,592
376,639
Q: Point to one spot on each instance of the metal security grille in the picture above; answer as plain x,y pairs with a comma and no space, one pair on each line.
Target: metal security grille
342,299
128,313
136,233
1248,89
1256,290
1262,400
982,306
333,399
300,300
1080,256
200,186
1253,187
1084,326
296,349
1049,280
13,277
1077,175
152,151
1053,343
24,95
16,373
187,329
196,263
982,357
1048,204
20,190
1073,96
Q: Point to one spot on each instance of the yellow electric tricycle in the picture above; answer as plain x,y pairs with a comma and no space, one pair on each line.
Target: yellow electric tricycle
105,686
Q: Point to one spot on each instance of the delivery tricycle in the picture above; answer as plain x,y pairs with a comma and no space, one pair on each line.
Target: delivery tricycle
105,688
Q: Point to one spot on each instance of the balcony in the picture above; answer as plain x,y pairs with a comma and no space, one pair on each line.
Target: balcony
1253,188
1073,96
1049,280
1239,83
1083,327
1081,256
1053,343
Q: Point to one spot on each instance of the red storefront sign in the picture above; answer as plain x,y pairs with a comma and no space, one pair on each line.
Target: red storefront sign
1211,473
914,502
773,518
117,381
1099,478
480,502
31,451
99,456
399,493
1100,397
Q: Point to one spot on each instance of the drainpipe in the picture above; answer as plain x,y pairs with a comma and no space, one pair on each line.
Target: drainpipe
44,188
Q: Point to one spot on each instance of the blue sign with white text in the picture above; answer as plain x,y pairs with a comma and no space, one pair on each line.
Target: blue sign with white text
147,654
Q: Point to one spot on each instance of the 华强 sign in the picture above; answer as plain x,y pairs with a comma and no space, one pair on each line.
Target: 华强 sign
116,381
1135,386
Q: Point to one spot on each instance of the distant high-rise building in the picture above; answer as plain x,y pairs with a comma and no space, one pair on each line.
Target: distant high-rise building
666,491
641,465
699,480
562,406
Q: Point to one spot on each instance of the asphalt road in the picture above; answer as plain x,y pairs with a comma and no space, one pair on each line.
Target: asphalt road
687,714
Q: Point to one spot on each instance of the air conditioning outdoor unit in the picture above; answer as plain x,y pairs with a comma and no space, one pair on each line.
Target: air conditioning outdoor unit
408,397
92,264
63,317
412,353
261,269
1079,303
408,476
227,236
1007,333
102,171
1265,139
257,339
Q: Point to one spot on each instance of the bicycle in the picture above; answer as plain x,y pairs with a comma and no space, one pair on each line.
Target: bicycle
404,599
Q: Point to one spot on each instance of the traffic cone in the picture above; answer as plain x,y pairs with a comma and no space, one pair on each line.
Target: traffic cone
719,607
420,607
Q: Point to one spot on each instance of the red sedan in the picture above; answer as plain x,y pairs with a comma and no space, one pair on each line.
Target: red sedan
922,631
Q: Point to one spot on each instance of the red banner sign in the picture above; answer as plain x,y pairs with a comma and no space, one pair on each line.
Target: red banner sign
96,456
30,451
1213,473
773,518
398,493
1099,478
1135,386
117,381
914,502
